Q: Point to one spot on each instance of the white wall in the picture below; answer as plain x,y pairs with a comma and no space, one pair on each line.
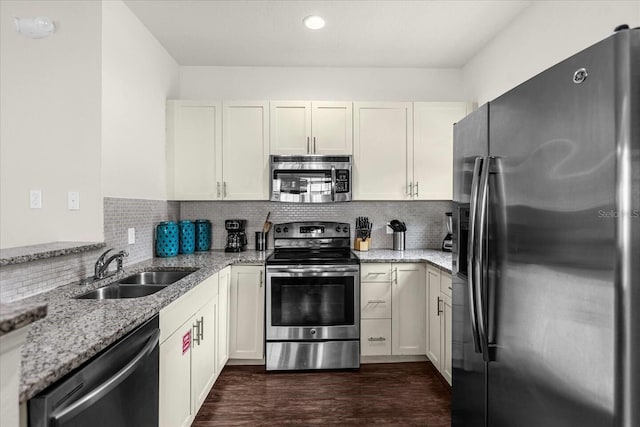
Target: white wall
316,83
50,124
138,75
546,33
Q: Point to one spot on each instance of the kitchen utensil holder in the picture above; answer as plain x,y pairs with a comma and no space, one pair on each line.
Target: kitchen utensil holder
187,237
398,240
362,245
167,239
261,241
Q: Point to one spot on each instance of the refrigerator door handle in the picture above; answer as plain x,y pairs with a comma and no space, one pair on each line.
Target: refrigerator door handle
480,259
471,282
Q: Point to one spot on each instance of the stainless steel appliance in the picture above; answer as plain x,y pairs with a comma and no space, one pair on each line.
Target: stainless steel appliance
312,298
546,325
447,242
236,236
119,387
310,178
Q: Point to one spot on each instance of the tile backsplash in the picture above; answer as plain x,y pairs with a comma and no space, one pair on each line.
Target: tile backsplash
425,229
425,219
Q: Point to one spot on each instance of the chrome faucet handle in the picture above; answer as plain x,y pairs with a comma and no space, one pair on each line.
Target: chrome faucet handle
121,256
97,270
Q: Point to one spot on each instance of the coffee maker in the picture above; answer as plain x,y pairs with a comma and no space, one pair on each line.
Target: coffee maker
447,243
236,237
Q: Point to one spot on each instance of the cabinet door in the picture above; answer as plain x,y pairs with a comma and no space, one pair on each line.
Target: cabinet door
331,127
247,312
375,300
382,150
375,337
175,379
223,319
203,353
194,138
434,308
446,338
433,148
245,150
290,127
408,311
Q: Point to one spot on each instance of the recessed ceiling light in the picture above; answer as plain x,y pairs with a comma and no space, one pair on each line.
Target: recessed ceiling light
313,22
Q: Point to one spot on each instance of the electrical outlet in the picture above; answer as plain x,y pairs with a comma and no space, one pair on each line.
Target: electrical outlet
132,235
389,229
73,200
35,199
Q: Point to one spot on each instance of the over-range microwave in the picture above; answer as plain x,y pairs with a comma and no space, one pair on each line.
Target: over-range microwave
310,178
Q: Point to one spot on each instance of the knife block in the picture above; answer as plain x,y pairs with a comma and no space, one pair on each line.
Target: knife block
362,245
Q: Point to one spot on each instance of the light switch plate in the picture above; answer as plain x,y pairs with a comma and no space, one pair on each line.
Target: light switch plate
131,232
35,199
73,200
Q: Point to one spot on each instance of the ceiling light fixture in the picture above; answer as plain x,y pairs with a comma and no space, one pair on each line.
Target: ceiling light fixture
35,28
313,22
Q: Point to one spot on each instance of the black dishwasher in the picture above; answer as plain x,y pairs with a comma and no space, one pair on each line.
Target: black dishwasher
118,387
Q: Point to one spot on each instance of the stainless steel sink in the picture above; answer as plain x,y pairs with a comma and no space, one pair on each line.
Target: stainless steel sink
122,291
154,277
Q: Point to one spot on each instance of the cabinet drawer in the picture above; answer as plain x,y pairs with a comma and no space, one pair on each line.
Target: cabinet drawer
375,272
375,300
445,283
375,337
176,313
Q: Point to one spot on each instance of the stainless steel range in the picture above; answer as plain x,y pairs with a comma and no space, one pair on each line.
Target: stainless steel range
313,298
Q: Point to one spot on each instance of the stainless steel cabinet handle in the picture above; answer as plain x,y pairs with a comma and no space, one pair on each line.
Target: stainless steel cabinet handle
224,189
439,309
376,301
196,333
376,339
314,146
480,267
410,189
395,270
201,331
471,280
308,146
260,278
99,392
376,273
218,189
417,191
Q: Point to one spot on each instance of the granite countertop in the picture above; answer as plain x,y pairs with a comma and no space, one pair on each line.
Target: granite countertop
22,254
19,314
75,330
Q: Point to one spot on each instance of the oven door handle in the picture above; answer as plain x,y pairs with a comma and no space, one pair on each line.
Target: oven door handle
313,271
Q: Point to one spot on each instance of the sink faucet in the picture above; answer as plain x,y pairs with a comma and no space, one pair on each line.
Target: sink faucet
101,266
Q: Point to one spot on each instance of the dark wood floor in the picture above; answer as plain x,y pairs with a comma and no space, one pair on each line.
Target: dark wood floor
390,394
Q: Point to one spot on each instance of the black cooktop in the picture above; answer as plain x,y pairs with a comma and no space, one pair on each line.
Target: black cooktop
312,256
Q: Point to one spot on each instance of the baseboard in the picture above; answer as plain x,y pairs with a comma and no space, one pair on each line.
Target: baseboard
239,362
392,359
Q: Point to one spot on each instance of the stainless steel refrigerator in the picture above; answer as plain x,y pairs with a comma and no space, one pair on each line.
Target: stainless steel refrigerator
546,292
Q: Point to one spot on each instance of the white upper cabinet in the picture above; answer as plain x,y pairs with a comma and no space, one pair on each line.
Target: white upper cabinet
245,150
304,127
194,136
382,150
433,148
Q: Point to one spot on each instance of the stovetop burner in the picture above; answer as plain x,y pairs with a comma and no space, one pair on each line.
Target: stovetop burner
312,242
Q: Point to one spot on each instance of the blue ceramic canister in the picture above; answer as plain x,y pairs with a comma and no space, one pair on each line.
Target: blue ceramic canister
187,237
203,235
167,239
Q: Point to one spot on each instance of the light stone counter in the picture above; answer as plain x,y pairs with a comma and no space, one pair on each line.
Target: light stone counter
439,259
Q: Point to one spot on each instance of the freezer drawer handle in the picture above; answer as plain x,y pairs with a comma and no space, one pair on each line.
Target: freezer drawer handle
104,388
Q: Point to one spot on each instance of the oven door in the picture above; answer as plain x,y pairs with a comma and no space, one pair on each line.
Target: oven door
315,302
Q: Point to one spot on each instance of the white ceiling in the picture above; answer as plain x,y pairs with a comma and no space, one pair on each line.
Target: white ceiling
359,33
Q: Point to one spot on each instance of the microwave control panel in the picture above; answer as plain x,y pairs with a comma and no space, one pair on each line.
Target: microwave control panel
342,181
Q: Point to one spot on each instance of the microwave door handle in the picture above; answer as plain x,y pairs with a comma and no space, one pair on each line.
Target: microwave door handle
333,183
470,253
111,383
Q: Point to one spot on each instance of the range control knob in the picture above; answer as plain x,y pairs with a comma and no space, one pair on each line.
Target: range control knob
278,229
346,229
338,229
286,229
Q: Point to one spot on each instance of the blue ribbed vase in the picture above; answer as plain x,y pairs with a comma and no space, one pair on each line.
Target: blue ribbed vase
187,237
167,239
203,235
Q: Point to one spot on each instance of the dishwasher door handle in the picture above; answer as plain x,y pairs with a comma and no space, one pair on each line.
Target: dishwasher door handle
111,383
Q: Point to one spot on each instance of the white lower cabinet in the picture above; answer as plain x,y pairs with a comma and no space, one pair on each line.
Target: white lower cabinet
246,307
187,353
222,352
439,320
392,309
